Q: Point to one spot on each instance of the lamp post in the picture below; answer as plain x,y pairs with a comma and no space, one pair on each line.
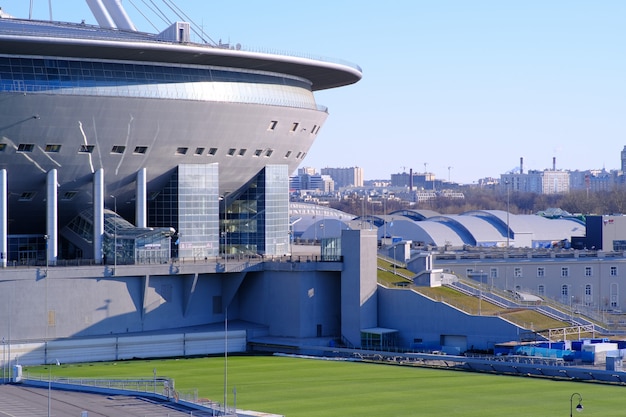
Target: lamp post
579,407
114,234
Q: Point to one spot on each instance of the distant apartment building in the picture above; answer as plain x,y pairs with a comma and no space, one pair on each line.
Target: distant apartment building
549,181
345,177
539,182
422,196
413,180
307,171
308,179
595,180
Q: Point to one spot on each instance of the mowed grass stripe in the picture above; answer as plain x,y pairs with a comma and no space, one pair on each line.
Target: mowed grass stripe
299,387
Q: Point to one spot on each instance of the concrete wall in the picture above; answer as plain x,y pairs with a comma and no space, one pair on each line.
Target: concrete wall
60,307
359,308
422,320
122,347
292,304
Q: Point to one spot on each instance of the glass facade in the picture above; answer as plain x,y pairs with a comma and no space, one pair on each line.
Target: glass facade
331,249
123,243
190,204
122,79
276,201
256,221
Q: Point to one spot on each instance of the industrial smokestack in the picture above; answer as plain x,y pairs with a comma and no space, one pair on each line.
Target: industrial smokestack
521,165
411,179
554,163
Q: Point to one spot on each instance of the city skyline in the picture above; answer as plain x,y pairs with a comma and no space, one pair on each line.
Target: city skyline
466,88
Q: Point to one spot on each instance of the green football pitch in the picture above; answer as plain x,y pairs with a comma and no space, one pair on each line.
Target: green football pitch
301,387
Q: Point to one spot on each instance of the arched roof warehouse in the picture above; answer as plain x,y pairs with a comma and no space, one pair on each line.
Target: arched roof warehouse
472,228
429,233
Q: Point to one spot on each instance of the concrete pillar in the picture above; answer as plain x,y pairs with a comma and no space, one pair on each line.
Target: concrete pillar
141,214
98,215
52,218
359,283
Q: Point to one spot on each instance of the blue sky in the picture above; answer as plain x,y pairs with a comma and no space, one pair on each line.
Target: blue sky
470,85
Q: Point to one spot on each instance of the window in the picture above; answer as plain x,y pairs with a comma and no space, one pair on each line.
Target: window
517,272
613,271
614,295
541,272
564,290
294,126
231,151
25,147
53,148
199,151
299,155
85,149
588,299
212,151
541,290
269,152
258,152
118,149
493,272
565,271
68,195
288,154
273,125
588,271
242,152
182,150
140,149
469,271
27,196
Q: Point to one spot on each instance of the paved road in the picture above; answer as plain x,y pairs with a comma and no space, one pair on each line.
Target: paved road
20,401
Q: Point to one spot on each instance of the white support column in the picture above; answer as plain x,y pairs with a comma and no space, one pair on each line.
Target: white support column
98,215
52,217
141,214
4,195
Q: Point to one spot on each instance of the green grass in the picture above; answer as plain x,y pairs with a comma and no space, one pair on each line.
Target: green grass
298,387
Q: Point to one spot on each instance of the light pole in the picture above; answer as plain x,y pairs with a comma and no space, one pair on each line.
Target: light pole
50,384
225,355
114,233
480,294
46,237
507,213
384,216
579,407
394,259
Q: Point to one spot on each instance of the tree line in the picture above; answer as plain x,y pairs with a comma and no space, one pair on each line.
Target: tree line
575,202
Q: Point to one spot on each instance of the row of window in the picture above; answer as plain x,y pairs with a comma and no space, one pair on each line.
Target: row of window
140,150
541,272
181,150
54,72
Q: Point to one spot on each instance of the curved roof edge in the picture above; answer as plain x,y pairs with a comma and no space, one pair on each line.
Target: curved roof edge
323,73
